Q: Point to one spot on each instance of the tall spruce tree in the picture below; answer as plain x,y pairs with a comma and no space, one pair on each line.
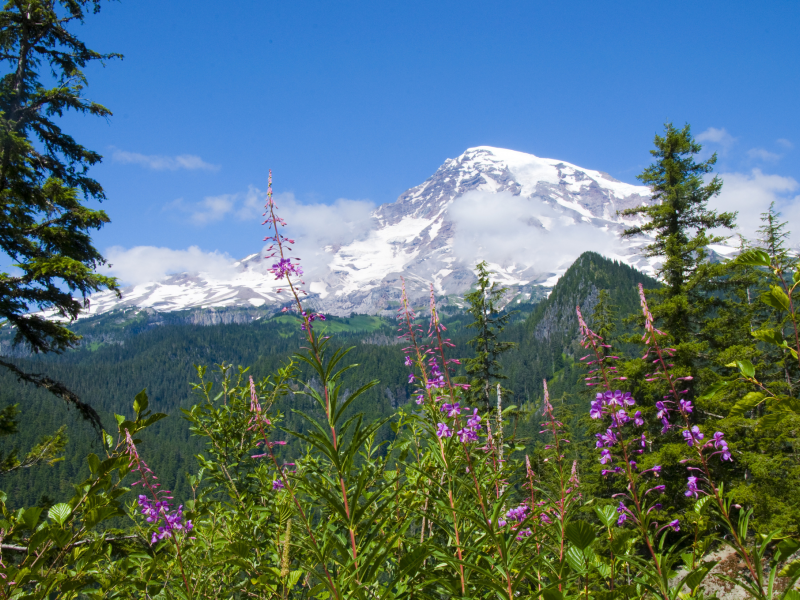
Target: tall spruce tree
45,223
484,369
680,221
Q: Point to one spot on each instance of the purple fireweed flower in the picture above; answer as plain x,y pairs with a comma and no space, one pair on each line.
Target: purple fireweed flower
676,525
691,486
724,453
666,424
643,441
622,417
411,378
686,406
518,514
408,361
608,438
605,456
622,510
718,439
596,410
523,534
501,522
693,436
545,519
452,410
158,511
443,431
663,411
659,488
467,435
474,421
277,485
637,418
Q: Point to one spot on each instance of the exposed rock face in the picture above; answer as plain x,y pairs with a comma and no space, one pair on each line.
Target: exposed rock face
416,238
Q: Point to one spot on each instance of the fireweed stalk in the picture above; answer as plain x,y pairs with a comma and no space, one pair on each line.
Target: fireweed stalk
702,452
619,447
459,431
416,354
567,487
170,525
467,435
288,270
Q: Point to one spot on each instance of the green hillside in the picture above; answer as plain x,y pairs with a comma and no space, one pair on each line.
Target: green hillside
127,352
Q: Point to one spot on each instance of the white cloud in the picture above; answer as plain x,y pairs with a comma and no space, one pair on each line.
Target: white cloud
519,229
751,194
762,154
208,210
164,163
785,143
319,228
717,136
143,264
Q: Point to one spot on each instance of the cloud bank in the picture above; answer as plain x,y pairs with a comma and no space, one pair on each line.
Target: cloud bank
143,264
504,229
157,162
751,194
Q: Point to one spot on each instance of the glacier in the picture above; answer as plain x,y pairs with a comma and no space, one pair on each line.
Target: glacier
529,217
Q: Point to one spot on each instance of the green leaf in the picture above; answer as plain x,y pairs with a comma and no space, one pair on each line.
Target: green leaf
754,258
713,390
141,402
776,298
60,512
581,534
552,594
788,547
696,577
746,368
791,595
746,404
606,514
791,570
700,503
770,336
31,517
575,559
61,537
94,463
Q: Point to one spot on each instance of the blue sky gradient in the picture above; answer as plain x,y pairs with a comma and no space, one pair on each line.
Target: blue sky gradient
362,100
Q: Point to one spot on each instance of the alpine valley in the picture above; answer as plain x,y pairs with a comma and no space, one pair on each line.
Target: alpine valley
529,217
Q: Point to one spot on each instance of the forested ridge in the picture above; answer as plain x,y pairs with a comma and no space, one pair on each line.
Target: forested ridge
161,359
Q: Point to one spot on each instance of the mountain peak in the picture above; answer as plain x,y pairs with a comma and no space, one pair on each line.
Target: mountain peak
529,217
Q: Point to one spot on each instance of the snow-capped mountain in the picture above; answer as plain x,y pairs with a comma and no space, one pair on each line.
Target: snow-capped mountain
529,217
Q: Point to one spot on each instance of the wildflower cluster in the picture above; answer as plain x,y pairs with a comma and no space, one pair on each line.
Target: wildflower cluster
169,523
466,433
286,267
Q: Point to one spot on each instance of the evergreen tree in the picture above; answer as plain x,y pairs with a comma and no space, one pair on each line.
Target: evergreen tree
45,223
680,220
484,368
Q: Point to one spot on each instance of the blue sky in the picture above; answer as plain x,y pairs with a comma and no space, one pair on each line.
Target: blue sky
362,100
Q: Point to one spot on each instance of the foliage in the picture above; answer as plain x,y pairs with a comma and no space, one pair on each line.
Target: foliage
44,186
484,368
445,506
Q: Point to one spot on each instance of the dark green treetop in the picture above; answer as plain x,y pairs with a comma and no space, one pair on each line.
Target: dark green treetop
484,368
45,223
680,221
